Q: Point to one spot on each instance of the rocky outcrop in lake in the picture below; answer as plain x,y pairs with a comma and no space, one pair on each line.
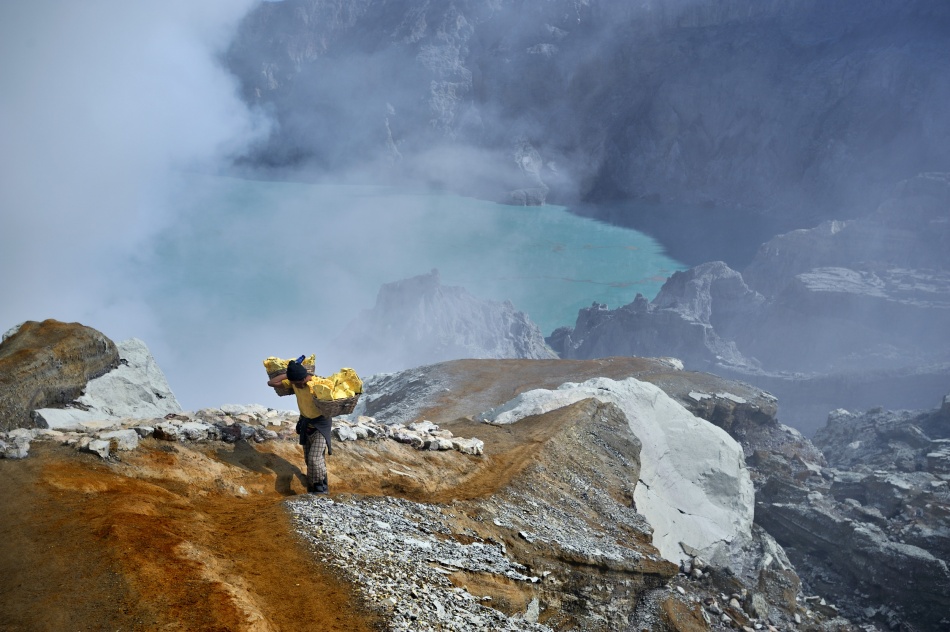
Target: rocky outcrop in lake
419,321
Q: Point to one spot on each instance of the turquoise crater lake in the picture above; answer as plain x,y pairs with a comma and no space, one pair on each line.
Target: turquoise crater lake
262,247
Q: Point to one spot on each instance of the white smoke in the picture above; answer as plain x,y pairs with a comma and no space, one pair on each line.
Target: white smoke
104,103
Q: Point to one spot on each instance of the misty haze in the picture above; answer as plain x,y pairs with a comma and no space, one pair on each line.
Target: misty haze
706,194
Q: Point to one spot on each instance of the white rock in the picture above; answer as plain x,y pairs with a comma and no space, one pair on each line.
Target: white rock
440,444
732,398
424,427
98,425
136,390
25,434
533,611
468,446
194,430
18,448
97,446
124,439
255,410
166,431
345,433
694,486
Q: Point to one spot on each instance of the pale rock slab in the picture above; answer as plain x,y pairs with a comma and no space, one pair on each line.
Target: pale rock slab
694,487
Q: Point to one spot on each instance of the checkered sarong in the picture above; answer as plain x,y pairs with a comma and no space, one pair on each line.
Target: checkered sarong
314,453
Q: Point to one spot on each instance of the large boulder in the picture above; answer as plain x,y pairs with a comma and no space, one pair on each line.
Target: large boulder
419,321
694,488
136,389
49,363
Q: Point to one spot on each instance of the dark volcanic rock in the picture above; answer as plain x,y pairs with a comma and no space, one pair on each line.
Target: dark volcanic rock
850,314
838,555
877,519
48,364
690,319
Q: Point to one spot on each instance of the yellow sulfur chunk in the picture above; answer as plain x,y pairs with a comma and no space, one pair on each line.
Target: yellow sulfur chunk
342,391
321,388
348,378
274,364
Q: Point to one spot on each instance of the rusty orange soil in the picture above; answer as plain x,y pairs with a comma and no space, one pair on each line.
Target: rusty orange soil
196,537
164,540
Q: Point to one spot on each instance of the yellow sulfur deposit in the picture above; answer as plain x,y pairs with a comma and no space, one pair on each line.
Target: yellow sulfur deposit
275,365
341,385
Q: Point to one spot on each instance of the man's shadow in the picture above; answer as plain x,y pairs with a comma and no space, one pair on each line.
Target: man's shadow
245,456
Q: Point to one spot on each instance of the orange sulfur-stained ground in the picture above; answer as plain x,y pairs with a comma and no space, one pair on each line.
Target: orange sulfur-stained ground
165,540
184,536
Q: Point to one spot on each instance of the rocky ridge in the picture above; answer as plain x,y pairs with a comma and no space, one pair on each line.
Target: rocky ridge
879,509
108,438
585,560
539,523
796,488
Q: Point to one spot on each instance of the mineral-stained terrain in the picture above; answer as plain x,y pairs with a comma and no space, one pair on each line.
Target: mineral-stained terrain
439,520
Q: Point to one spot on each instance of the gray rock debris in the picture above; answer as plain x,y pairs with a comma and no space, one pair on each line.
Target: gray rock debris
423,435
398,554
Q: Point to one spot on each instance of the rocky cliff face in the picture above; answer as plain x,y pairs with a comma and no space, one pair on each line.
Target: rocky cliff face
879,511
799,107
49,363
848,314
420,321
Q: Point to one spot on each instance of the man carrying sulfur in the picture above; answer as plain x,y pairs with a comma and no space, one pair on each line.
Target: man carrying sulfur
313,427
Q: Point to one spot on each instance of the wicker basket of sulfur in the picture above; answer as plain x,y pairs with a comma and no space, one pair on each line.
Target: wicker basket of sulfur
335,407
